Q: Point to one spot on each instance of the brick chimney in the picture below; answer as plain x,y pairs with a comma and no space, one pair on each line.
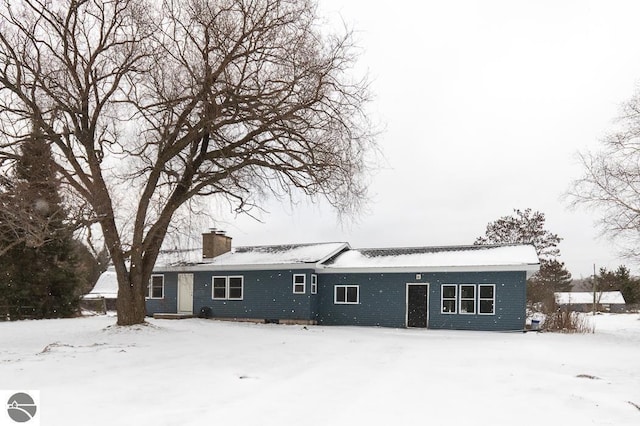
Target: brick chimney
215,243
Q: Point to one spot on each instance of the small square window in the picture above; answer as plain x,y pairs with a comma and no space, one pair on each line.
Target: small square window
299,283
486,291
449,291
467,291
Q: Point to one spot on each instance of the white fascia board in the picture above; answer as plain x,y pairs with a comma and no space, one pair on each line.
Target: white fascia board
530,269
207,267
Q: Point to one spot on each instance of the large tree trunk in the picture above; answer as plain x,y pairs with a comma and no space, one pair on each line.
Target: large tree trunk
131,298
133,281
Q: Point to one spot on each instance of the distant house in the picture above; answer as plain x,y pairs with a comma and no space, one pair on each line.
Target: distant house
458,287
104,294
607,301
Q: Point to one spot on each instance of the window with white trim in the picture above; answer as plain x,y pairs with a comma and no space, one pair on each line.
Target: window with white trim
156,287
299,283
219,288
227,287
449,298
235,285
486,299
467,299
346,294
314,284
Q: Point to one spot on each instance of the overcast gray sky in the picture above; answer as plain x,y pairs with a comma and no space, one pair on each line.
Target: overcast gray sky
485,104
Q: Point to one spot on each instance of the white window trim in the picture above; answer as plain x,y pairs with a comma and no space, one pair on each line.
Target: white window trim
226,287
461,299
150,290
454,298
227,280
303,283
493,299
314,284
345,286
241,287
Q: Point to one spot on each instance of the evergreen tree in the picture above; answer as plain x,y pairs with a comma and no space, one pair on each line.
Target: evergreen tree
38,270
553,274
619,280
551,278
527,227
524,227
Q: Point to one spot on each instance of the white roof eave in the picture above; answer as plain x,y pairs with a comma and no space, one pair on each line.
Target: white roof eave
530,269
203,267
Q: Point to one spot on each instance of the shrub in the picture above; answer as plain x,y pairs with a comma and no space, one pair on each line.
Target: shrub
565,321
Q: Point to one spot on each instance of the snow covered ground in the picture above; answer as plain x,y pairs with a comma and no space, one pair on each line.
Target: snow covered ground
196,372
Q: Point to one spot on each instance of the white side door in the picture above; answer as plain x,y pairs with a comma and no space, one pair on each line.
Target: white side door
185,293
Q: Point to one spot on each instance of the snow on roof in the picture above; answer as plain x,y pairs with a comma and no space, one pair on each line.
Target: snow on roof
176,257
279,254
523,256
580,297
106,286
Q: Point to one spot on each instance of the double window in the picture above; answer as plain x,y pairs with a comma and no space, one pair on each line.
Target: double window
227,288
468,299
314,284
299,283
156,287
346,295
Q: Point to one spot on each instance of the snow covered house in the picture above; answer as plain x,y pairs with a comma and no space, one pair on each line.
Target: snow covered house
582,301
104,294
457,287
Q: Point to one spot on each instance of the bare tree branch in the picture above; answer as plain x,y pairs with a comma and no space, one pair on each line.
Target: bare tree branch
178,100
610,183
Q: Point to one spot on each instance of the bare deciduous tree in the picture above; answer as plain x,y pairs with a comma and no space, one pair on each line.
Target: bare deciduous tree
227,98
611,180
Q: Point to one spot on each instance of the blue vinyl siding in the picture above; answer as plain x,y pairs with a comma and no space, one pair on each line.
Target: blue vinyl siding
266,295
509,309
169,303
382,298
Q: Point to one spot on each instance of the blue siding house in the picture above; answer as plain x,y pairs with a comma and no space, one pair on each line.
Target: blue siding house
456,287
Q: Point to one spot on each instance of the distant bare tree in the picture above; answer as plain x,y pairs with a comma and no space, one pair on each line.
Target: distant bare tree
610,183
172,101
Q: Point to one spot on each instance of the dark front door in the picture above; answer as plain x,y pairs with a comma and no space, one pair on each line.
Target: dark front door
417,302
